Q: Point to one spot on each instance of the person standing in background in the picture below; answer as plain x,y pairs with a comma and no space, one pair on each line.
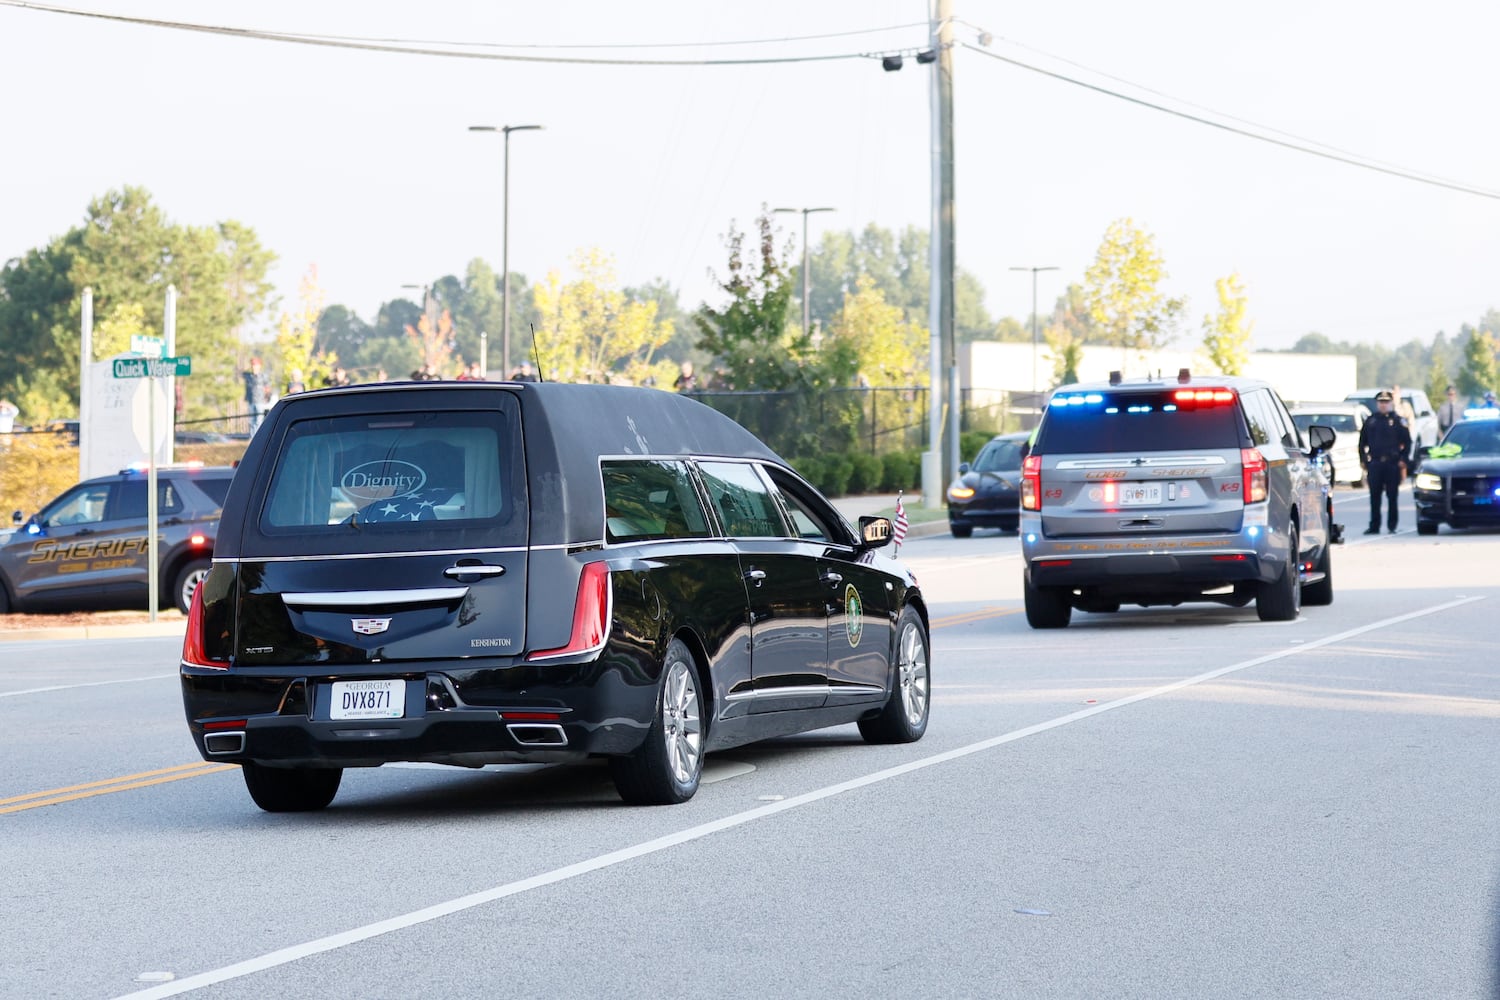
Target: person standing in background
1384,443
1449,412
296,383
257,393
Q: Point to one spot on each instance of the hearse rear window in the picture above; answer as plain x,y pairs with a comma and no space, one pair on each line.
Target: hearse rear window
394,473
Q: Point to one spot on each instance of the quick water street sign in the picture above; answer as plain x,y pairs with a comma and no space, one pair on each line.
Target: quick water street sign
152,367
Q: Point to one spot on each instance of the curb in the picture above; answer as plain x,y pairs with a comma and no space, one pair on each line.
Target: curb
93,632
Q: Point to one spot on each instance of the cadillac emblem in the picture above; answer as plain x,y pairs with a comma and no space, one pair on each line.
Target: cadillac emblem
370,626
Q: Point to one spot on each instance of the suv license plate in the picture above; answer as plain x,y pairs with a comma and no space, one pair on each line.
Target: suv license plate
1139,494
384,699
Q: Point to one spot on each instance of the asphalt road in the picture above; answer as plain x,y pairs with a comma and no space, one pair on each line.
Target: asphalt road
1156,803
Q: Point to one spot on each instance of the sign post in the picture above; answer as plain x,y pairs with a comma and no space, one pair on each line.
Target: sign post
151,367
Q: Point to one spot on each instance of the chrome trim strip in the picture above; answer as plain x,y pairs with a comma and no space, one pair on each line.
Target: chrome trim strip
860,689
342,598
236,560
784,692
1142,462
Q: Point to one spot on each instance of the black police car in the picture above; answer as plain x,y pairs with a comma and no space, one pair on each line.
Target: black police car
474,573
88,549
1458,483
987,494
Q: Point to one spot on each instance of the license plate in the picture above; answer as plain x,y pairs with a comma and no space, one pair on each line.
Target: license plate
1139,494
384,699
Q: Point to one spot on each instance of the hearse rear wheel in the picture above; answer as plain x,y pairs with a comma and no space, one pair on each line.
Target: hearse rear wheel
666,768
286,789
904,717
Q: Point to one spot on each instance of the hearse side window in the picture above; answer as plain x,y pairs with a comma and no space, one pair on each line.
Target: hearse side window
807,521
743,500
391,470
650,499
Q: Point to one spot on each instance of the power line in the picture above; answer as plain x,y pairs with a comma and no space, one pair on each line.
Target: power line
1301,146
423,49
454,50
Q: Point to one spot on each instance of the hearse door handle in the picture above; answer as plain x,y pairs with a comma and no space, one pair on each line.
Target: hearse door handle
477,569
831,578
758,575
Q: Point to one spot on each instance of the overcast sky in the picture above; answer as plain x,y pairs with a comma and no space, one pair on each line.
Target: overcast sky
361,163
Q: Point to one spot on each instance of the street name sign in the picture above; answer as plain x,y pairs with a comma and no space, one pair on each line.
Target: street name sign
151,347
152,367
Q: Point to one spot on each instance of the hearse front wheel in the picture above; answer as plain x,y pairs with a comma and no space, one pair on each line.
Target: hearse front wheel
666,768
904,717
286,789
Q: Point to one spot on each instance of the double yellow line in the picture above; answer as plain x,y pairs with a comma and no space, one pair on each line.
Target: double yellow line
969,617
36,800
109,786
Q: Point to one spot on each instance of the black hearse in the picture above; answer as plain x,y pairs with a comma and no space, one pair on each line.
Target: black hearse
473,573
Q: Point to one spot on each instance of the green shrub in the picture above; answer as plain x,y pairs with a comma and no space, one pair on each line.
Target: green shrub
899,470
836,472
969,443
809,468
866,472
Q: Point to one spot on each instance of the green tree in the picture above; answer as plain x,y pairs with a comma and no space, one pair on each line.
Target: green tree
882,345
1070,328
1226,334
1122,291
898,265
749,337
1480,372
128,252
592,332
341,332
297,338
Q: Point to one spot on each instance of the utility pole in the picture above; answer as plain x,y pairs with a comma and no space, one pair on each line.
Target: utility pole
940,464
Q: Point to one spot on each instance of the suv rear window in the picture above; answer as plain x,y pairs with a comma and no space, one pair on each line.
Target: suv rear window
395,478
216,489
1138,421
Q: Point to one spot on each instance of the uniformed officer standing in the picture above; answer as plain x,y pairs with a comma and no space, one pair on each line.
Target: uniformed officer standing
1384,443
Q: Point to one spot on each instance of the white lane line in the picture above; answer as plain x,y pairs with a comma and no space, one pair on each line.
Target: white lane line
332,942
87,684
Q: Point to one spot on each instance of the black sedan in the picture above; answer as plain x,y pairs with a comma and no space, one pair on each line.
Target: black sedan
1458,483
987,494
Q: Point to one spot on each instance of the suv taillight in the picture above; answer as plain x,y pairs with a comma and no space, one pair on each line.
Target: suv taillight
1031,483
192,640
590,614
1253,475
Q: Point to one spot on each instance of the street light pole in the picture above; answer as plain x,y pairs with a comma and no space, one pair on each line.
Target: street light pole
1035,386
505,240
806,282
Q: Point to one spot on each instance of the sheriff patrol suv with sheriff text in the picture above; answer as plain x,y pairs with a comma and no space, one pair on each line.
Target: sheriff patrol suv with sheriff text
1163,491
88,548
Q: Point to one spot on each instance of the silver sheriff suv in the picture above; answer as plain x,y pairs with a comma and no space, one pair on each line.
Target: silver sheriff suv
1156,492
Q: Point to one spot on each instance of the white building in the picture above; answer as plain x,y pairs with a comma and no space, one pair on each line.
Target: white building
989,365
